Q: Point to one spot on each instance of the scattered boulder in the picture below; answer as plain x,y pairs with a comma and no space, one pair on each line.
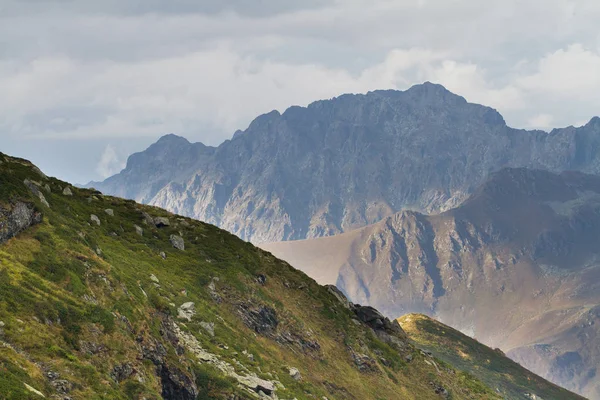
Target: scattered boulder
249,355
295,374
177,242
110,212
139,230
94,218
261,319
62,386
209,327
261,279
376,321
440,390
34,188
183,222
67,191
161,222
176,384
212,291
148,220
257,384
186,311
92,348
363,362
295,339
43,200
532,396
369,316
51,375
16,218
121,372
338,295
39,172
154,279
163,255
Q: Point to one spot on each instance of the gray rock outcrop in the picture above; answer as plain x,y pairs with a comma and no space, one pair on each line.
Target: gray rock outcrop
94,218
177,242
15,218
186,311
161,222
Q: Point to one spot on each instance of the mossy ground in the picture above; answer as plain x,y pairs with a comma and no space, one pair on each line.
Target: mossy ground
76,298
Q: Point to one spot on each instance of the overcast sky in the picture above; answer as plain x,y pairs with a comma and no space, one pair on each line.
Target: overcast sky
83,83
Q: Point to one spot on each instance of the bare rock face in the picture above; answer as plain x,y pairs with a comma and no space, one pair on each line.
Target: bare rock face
259,318
344,163
16,218
176,384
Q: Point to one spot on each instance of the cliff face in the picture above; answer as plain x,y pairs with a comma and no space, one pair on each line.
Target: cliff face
344,163
516,266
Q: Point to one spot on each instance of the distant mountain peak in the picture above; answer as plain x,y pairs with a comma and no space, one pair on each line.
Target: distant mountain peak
595,121
430,87
346,162
172,138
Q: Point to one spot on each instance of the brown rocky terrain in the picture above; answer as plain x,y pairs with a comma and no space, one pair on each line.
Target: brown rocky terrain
515,266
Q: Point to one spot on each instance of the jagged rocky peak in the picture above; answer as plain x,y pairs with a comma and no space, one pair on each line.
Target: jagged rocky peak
343,163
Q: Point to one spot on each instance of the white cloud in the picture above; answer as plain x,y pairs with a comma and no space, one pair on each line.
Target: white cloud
541,121
109,163
209,94
106,70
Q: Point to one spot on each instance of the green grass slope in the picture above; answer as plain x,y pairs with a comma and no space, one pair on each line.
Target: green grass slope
492,367
97,303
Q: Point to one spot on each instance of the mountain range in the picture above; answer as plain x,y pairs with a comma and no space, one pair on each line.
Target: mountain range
104,298
516,266
344,163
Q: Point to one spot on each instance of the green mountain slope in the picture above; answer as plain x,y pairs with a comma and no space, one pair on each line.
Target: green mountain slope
507,377
103,298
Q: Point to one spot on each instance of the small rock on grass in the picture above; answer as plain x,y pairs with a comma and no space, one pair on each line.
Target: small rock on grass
94,218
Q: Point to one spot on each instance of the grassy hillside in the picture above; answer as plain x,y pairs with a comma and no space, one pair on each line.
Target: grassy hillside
507,377
103,298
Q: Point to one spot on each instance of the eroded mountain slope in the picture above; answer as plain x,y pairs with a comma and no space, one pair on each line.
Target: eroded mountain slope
516,266
103,298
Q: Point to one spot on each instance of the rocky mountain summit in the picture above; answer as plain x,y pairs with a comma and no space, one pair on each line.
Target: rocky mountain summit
516,266
104,298
344,163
